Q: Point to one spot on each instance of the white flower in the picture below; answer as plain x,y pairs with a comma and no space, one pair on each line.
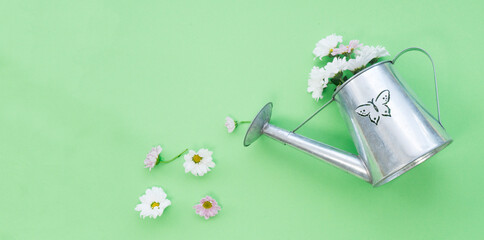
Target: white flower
152,203
359,62
198,163
152,157
317,82
336,66
373,52
326,45
230,124
380,51
365,55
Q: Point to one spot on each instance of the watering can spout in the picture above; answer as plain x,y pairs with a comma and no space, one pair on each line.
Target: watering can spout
336,157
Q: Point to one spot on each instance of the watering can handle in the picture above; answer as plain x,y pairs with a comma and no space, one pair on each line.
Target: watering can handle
435,76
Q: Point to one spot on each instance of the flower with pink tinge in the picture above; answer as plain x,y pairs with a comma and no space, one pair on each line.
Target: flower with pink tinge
230,124
353,45
342,49
207,207
153,157
337,51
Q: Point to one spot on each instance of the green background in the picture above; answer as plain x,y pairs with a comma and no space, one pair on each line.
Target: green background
88,87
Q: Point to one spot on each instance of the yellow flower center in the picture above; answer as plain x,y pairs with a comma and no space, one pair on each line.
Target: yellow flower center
207,205
155,204
196,158
330,50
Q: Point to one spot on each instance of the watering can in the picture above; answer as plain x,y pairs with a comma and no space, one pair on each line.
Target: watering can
391,130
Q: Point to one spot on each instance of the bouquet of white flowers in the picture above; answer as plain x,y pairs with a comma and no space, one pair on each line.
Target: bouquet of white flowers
342,62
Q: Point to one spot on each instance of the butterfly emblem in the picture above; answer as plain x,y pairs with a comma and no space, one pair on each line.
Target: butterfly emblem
376,108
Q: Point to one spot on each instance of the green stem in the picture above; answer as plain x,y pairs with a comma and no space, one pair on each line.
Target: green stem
177,156
242,122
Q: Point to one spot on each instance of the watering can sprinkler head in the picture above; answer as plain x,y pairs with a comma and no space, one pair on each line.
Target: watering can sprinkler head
256,127
391,130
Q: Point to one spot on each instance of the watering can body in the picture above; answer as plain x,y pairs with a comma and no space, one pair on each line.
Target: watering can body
391,130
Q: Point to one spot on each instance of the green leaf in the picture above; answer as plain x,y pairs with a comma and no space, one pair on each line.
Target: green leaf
347,74
335,81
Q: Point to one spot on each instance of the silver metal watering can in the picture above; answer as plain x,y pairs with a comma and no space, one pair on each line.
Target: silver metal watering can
392,131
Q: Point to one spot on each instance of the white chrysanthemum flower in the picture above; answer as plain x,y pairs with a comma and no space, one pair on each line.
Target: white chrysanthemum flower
198,163
326,45
357,63
380,51
364,50
370,51
336,66
317,82
153,203
365,55
230,124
